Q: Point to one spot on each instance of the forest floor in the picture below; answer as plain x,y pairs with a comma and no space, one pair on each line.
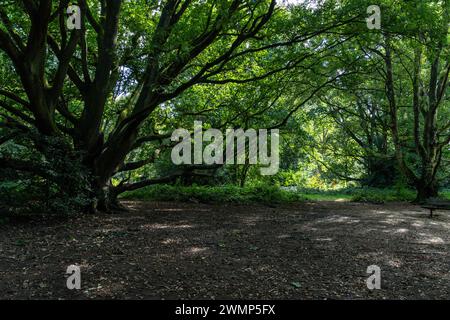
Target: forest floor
189,250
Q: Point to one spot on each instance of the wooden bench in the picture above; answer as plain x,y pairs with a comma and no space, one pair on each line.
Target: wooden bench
436,204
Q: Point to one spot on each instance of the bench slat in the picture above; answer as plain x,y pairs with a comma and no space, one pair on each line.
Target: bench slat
437,207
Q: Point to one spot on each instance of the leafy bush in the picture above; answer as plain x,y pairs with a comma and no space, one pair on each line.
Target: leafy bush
375,195
55,181
445,194
208,194
270,194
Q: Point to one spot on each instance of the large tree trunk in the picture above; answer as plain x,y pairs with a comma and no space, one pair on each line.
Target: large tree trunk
104,199
426,191
429,148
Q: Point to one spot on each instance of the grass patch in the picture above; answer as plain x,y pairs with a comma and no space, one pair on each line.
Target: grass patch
325,195
366,194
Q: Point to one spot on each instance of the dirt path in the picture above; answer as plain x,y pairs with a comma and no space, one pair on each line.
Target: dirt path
186,250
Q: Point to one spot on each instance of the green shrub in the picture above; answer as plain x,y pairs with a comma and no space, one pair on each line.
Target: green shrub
59,183
375,195
445,194
270,194
208,194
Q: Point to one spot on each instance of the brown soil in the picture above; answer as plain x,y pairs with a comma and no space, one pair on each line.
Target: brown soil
192,251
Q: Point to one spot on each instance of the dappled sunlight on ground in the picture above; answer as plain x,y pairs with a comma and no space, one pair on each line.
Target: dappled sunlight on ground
190,250
166,226
196,250
171,241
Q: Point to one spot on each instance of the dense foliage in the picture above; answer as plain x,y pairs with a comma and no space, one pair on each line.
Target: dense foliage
87,115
